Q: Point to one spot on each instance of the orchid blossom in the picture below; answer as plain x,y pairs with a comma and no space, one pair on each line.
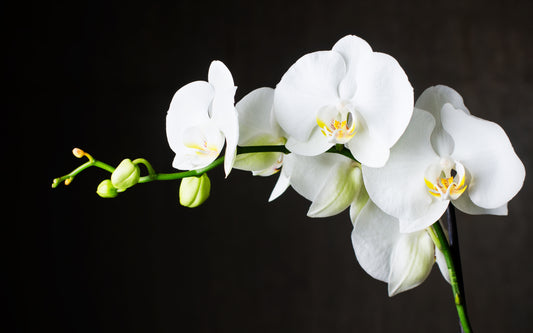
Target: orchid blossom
201,118
445,155
403,260
348,96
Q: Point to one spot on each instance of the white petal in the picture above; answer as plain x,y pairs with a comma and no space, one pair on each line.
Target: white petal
200,146
189,107
398,188
309,175
465,205
309,84
341,189
358,204
384,97
443,267
355,52
256,161
257,125
412,258
497,173
283,182
220,77
224,115
432,100
315,145
369,151
373,238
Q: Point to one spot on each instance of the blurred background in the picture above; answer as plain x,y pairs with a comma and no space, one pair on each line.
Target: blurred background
100,76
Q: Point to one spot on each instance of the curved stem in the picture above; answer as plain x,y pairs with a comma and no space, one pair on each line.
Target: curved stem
455,275
152,175
75,172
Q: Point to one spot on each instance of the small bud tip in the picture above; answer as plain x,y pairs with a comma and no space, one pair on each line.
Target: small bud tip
68,181
78,152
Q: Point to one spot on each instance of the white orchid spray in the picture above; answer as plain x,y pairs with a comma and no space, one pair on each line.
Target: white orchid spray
341,128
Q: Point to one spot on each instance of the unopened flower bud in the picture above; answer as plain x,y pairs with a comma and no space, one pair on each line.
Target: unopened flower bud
106,189
78,152
125,175
194,190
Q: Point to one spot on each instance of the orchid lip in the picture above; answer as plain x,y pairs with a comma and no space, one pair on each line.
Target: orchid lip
338,123
446,180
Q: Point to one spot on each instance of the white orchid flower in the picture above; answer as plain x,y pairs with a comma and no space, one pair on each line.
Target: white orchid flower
332,182
446,155
349,95
403,260
258,127
201,117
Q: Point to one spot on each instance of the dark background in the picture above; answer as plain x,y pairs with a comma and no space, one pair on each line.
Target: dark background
100,76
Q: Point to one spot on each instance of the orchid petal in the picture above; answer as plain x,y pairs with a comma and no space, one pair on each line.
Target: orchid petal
283,182
360,201
188,107
342,188
355,52
369,151
412,258
373,238
465,205
384,98
200,146
432,100
310,175
309,84
398,188
258,161
443,266
497,174
257,125
315,145
221,79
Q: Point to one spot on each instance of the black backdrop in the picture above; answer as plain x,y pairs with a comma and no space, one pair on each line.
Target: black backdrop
100,76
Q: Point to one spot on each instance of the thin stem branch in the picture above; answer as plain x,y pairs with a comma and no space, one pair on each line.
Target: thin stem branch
454,248
442,243
152,175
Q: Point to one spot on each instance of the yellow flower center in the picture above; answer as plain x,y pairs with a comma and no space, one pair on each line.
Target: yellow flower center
450,183
337,123
203,148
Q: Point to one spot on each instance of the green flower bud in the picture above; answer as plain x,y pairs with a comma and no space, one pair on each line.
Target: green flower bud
125,175
194,190
106,189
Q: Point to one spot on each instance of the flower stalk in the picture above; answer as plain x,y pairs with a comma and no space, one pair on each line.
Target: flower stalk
451,254
153,176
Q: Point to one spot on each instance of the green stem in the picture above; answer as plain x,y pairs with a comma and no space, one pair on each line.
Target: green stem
441,241
92,162
180,175
152,175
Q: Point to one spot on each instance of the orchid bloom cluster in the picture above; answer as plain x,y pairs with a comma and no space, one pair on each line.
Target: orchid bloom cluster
403,162
343,130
